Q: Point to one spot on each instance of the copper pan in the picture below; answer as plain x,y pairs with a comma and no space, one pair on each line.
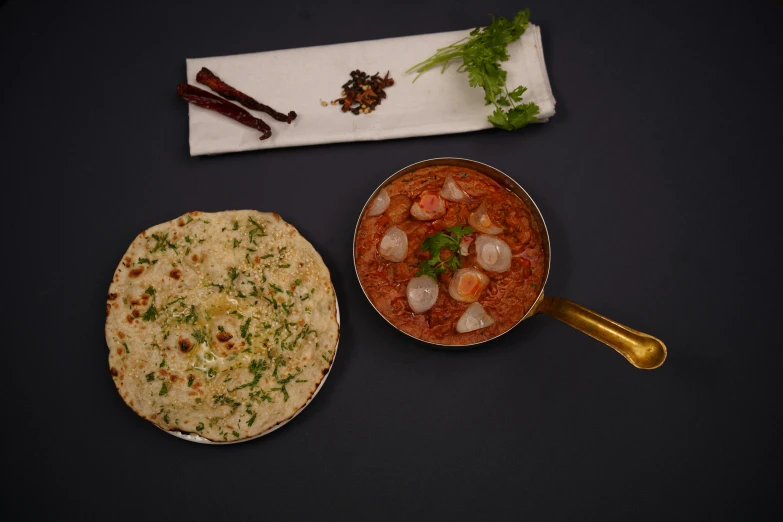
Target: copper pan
641,350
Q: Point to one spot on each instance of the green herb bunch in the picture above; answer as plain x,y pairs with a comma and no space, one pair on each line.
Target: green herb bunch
481,54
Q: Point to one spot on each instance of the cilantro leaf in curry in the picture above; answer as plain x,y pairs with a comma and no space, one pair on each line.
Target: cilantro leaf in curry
448,239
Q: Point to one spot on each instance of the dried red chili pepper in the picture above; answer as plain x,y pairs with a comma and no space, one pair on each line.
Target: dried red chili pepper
208,78
205,99
363,93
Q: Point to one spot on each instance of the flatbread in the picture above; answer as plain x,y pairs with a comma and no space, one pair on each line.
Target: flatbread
220,324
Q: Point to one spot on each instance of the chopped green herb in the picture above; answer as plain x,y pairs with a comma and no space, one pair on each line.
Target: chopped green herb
174,301
278,362
200,426
297,282
191,317
225,400
233,273
243,329
236,243
211,373
150,291
275,288
236,225
257,367
252,420
283,266
150,376
235,434
163,389
127,350
145,261
166,418
161,242
256,229
151,314
191,378
200,335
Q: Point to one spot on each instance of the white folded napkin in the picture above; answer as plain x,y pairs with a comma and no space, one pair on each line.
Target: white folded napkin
299,79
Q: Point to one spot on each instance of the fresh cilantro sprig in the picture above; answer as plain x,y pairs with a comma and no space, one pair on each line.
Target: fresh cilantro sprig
481,54
448,239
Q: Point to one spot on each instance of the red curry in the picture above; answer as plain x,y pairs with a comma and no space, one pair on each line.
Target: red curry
506,299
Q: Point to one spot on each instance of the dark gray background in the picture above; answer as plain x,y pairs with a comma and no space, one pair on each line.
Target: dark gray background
657,177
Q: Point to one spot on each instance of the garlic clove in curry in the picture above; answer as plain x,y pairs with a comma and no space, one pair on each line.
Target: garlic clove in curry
422,293
493,253
467,284
474,318
380,203
428,206
479,219
451,191
393,245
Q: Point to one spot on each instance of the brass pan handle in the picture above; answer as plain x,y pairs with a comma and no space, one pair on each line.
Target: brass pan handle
642,350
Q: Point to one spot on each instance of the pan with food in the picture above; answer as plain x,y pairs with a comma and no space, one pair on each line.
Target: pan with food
455,253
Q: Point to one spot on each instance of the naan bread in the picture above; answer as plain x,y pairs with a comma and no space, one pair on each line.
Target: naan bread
221,324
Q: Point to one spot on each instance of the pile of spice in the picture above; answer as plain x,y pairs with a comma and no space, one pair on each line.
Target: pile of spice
363,93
